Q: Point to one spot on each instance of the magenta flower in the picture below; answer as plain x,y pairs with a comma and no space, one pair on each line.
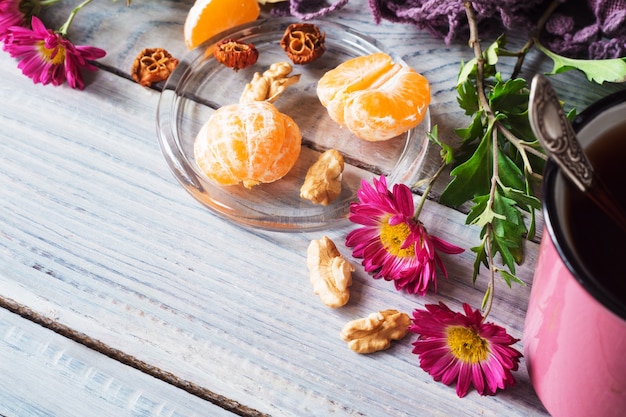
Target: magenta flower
456,347
393,244
48,57
10,15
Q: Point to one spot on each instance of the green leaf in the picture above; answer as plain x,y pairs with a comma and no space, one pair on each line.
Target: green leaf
507,207
521,198
471,178
474,130
481,259
480,205
509,173
467,69
492,52
532,227
508,278
467,97
485,298
446,152
490,56
597,70
510,96
481,213
508,231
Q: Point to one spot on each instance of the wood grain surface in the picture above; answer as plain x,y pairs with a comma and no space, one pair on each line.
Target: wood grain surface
100,243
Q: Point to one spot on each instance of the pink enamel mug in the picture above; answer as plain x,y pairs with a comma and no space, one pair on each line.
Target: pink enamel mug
575,330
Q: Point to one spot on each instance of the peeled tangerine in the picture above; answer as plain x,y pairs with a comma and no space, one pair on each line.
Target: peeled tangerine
249,143
374,97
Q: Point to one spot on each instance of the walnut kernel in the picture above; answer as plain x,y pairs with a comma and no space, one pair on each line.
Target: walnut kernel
322,183
234,54
330,273
269,86
303,42
152,65
376,331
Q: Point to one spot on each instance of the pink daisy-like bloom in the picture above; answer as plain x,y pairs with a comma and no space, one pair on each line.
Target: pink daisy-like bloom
48,57
457,347
393,244
10,15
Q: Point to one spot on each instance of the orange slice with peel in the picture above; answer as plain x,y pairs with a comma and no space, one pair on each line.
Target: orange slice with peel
207,18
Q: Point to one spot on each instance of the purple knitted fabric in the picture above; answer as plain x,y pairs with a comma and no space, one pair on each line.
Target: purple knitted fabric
447,18
588,29
578,28
307,9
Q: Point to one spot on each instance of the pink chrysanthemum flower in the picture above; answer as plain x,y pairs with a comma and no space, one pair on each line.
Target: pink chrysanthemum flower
48,57
11,14
456,347
393,244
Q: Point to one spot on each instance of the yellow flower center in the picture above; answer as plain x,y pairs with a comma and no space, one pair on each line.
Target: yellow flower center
53,56
392,238
466,345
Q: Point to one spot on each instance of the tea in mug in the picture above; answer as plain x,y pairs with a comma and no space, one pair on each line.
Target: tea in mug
598,242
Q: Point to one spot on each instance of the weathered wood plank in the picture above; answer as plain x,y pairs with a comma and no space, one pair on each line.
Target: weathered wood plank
45,374
98,236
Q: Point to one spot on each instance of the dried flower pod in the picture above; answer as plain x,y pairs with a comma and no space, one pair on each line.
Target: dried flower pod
234,54
152,65
303,42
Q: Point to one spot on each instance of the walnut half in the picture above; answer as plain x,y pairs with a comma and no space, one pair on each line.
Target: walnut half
269,85
376,331
330,273
322,183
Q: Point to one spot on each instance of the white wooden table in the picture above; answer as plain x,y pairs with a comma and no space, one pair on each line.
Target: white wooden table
124,296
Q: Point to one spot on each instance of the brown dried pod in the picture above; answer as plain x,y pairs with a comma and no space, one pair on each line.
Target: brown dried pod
303,42
152,65
234,54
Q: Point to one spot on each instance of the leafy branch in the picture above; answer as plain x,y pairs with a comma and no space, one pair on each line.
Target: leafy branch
499,163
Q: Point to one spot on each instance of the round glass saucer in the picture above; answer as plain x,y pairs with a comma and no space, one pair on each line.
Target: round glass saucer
199,85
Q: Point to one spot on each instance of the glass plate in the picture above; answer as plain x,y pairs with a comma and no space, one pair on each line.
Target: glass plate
200,85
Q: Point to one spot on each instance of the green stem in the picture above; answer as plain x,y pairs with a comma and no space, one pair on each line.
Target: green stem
64,28
492,194
429,187
474,43
492,274
529,44
47,3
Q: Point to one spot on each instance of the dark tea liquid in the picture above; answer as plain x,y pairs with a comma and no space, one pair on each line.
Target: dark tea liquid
600,243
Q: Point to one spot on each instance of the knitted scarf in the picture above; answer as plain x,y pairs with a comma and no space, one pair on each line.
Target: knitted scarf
587,29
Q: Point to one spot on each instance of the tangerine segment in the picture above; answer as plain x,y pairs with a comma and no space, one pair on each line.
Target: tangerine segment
248,143
207,18
352,75
375,98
